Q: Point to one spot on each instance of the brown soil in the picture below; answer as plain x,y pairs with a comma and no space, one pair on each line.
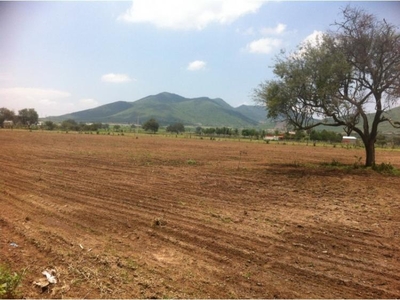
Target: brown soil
156,217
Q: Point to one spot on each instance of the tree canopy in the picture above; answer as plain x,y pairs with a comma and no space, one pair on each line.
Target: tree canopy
151,125
176,127
28,116
337,81
6,115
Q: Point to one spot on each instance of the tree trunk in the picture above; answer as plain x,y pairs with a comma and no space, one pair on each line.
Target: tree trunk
370,153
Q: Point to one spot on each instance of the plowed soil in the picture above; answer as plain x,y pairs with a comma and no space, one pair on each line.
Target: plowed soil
157,217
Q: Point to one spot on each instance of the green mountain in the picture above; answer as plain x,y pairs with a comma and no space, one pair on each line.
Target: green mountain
385,127
168,108
254,112
98,114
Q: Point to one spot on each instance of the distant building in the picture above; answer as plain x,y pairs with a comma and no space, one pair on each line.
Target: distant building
8,124
273,137
349,140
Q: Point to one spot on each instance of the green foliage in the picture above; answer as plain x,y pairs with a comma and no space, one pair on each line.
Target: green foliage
208,130
50,125
381,140
69,124
335,163
198,130
151,125
6,115
191,162
28,116
324,135
216,131
72,125
385,168
176,127
9,283
357,163
250,132
334,79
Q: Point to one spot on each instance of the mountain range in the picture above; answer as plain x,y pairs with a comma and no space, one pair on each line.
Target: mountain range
168,108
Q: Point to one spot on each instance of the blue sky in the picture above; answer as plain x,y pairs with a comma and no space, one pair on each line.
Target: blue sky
61,57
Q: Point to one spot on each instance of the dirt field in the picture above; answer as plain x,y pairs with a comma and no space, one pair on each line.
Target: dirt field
156,217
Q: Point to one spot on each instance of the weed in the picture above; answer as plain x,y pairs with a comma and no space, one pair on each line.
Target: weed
247,275
159,222
191,162
131,264
295,164
357,164
335,163
240,157
385,168
9,283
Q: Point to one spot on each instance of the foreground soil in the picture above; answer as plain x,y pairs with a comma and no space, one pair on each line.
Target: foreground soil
157,217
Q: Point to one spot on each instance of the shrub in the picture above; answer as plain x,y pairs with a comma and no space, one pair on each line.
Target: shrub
385,168
9,283
191,162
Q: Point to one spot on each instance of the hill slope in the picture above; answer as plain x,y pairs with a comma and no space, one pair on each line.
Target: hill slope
168,108
98,114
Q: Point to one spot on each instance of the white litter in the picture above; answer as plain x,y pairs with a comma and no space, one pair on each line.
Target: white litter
50,275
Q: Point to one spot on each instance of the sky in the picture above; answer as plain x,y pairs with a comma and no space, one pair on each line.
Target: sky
66,56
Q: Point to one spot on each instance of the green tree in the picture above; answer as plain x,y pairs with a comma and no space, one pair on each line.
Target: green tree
6,115
209,130
198,130
176,127
95,126
315,135
50,125
335,82
70,124
151,125
28,116
381,140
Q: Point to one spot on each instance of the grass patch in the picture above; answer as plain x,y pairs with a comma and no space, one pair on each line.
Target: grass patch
9,283
383,168
191,162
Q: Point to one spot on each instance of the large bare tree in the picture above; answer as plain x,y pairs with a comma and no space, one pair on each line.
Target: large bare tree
337,81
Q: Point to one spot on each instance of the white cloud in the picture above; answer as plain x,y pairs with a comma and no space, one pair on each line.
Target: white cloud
47,102
314,38
188,14
5,77
279,29
116,78
196,65
44,101
32,93
88,103
264,46
248,31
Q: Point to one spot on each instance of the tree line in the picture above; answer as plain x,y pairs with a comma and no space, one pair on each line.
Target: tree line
25,117
29,117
